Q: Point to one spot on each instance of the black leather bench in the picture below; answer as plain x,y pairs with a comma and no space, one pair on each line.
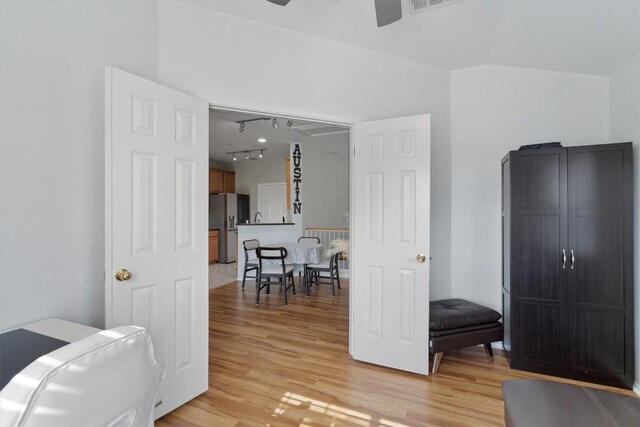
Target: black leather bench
550,404
458,323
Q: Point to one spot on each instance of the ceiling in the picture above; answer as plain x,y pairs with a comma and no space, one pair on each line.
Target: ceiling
224,136
579,36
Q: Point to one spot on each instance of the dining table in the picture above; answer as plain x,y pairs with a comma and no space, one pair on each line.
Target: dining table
299,253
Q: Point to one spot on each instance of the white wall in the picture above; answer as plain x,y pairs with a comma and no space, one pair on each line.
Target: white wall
496,109
624,125
52,59
221,57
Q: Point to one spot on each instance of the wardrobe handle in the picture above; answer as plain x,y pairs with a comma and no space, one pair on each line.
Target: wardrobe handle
573,259
564,258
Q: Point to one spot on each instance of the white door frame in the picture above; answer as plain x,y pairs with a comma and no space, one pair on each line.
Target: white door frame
295,114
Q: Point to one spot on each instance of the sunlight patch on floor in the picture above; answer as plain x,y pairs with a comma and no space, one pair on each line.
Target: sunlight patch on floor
339,413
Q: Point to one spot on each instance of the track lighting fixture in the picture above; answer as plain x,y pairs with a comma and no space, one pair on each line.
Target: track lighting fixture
247,154
274,122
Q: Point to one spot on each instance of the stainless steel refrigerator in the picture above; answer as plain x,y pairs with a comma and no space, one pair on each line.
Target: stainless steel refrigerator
223,214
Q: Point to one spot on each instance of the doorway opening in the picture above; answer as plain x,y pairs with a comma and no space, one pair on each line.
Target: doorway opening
275,179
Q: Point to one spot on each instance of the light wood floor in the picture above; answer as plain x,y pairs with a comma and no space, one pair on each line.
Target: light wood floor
277,366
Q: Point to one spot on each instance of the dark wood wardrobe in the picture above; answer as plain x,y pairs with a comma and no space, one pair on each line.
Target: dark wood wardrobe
567,227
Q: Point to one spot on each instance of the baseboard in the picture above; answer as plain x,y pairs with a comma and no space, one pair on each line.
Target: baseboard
636,388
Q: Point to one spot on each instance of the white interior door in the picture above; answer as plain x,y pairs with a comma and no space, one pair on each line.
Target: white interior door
390,301
156,225
272,201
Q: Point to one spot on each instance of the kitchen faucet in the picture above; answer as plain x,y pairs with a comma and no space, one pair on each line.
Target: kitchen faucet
255,217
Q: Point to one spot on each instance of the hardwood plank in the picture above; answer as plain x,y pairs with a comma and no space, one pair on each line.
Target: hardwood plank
277,366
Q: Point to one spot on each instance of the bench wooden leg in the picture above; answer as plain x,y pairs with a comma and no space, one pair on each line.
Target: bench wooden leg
489,351
436,362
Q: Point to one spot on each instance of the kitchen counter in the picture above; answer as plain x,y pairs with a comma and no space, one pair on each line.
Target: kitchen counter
267,223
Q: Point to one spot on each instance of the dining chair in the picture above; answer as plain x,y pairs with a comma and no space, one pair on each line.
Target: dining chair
304,284
250,264
310,239
314,273
267,271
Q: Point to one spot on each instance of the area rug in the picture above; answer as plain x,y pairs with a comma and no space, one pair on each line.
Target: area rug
222,274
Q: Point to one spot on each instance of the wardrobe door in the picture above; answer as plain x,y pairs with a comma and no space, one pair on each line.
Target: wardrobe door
601,272
538,236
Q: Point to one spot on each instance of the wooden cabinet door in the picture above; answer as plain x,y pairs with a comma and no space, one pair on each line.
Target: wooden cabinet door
600,180
229,182
214,250
216,181
537,277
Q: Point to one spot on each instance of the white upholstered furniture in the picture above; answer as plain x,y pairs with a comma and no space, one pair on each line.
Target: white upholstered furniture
110,378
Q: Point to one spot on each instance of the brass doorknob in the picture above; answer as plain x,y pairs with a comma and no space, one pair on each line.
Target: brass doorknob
421,258
123,274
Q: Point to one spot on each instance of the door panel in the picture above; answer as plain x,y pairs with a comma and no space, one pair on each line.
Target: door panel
599,181
390,287
156,226
537,251
272,201
537,277
598,248
538,174
601,335
600,235
541,325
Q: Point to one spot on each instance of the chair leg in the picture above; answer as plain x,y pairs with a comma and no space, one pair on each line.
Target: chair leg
292,284
338,276
303,283
489,351
436,362
333,287
284,285
258,290
268,285
244,276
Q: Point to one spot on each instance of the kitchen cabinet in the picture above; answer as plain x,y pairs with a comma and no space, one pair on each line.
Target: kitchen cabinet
568,262
216,181
229,182
214,246
221,181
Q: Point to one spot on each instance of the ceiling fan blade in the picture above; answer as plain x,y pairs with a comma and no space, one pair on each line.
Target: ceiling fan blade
280,2
388,11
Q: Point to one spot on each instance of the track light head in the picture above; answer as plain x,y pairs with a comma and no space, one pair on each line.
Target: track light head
247,154
241,127
274,123
289,123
